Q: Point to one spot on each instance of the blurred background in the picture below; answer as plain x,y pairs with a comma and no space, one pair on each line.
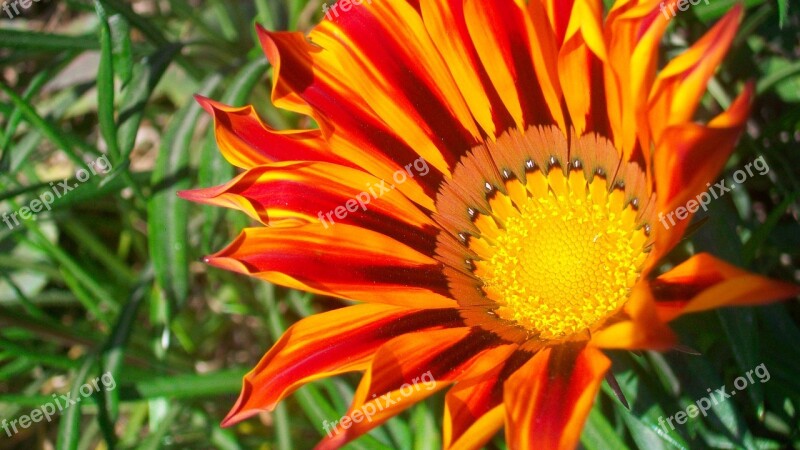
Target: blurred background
105,281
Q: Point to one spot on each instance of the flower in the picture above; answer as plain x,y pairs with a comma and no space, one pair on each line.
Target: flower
549,141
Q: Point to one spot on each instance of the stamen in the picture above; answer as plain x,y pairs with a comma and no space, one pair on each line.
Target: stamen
551,255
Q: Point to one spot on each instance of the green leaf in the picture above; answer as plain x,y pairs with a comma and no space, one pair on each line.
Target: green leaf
782,75
168,215
121,47
783,12
48,129
30,40
68,427
760,236
136,94
599,434
105,85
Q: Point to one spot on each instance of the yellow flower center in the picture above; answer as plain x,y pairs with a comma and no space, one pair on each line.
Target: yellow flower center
545,236
560,261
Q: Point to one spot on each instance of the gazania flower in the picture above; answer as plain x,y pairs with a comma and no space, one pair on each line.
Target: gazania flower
487,179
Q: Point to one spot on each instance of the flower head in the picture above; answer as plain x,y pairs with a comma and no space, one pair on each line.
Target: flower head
487,179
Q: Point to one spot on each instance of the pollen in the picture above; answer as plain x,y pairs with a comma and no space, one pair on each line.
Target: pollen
545,234
559,254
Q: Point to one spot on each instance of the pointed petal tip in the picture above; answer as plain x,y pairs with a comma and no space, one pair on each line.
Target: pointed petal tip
201,195
236,415
206,103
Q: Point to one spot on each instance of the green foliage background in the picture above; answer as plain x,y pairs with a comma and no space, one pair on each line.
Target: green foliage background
111,280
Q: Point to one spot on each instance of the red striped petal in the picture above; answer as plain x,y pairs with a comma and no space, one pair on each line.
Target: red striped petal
633,33
445,22
330,194
412,362
680,85
478,395
704,282
328,344
580,70
548,399
499,31
410,368
395,64
311,80
688,157
342,261
245,141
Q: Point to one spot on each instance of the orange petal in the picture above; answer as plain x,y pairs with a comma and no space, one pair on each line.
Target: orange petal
558,13
342,261
470,415
312,192
398,70
681,84
704,282
548,399
686,160
480,432
579,71
641,329
327,344
444,20
633,32
499,30
306,74
408,369
245,141
544,51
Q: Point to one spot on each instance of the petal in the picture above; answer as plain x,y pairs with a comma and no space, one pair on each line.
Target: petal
682,82
579,70
444,20
544,51
408,369
342,261
245,141
633,33
316,192
499,30
548,399
640,329
558,13
327,344
480,432
686,160
391,58
704,282
473,398
310,80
